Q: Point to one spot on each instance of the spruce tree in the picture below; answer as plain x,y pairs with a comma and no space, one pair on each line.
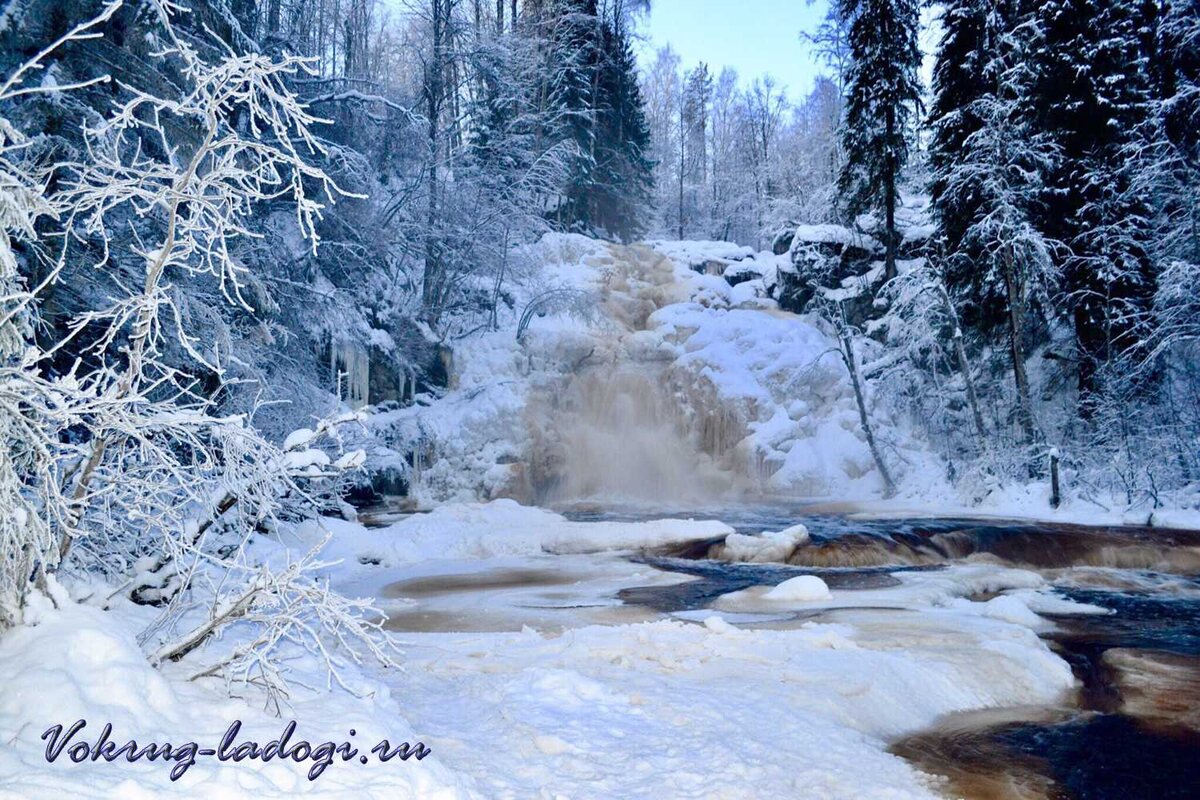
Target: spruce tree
592,95
959,83
995,180
1176,68
1091,94
619,197
883,94
567,98
1170,157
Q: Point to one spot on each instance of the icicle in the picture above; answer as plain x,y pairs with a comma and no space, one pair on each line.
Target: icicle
351,373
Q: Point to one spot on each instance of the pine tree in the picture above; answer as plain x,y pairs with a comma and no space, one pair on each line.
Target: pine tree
883,94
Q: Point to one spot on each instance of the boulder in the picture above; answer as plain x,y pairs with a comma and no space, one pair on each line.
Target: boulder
781,242
742,271
822,257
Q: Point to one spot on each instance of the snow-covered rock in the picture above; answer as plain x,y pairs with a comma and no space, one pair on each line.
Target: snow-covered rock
801,588
766,547
499,528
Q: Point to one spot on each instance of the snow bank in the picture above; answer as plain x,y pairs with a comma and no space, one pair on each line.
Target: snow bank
834,234
1027,502
83,663
783,377
693,254
919,590
1012,609
499,528
713,710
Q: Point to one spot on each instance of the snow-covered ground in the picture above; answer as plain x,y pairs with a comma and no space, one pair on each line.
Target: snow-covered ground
691,704
81,663
527,677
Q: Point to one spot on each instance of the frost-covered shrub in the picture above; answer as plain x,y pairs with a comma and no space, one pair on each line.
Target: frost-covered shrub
119,465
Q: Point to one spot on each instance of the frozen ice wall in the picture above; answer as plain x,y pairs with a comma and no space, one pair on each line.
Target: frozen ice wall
622,428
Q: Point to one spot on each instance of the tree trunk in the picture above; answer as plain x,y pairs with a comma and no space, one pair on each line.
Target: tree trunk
433,90
889,264
1055,493
960,354
499,17
889,486
681,163
1016,324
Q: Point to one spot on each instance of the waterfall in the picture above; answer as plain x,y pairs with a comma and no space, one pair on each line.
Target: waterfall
622,436
621,429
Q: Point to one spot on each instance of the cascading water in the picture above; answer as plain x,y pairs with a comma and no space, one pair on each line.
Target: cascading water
620,430
623,437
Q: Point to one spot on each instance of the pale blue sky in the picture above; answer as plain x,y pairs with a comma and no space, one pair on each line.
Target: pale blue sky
752,36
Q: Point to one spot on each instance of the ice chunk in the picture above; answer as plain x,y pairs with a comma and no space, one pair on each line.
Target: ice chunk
768,546
1011,609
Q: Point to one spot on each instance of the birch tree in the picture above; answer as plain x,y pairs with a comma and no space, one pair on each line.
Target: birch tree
121,467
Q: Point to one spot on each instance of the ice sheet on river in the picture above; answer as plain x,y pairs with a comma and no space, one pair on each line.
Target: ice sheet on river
706,704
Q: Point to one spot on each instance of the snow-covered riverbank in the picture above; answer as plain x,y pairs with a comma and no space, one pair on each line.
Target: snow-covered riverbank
522,694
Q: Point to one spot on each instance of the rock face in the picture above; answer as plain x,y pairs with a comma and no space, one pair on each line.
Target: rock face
822,256
781,242
844,263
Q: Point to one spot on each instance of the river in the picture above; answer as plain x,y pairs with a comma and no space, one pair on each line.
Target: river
1130,729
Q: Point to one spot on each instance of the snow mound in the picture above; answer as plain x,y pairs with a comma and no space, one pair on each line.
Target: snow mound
613,711
834,234
802,588
81,663
697,253
500,528
1011,609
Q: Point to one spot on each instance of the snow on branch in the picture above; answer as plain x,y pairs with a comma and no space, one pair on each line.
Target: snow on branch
118,465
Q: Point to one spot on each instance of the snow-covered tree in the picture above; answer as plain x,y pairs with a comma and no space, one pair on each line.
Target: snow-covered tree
1089,68
959,81
32,409
119,467
1000,173
883,95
